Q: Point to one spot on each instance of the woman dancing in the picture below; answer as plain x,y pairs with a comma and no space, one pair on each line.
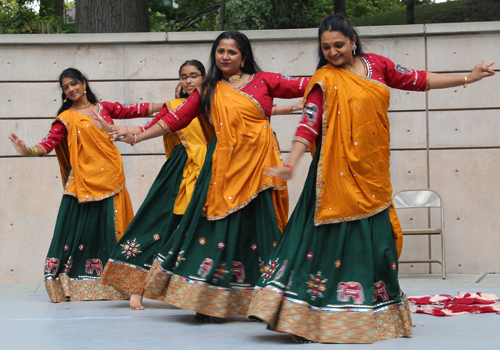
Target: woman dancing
214,258
95,209
333,277
167,200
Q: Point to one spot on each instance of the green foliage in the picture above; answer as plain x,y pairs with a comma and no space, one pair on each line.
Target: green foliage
358,8
269,14
162,17
446,12
18,17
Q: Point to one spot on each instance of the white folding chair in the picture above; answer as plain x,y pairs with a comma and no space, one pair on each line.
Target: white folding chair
423,199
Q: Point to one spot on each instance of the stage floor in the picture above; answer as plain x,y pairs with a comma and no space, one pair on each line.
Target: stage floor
29,321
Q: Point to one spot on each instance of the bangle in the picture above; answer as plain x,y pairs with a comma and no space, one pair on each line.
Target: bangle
273,110
289,166
465,81
33,152
135,140
289,110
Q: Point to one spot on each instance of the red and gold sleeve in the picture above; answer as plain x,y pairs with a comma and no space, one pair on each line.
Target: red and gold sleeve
399,77
310,125
286,87
179,117
126,111
54,137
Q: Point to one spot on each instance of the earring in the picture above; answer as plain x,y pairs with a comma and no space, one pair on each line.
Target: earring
85,91
354,47
65,98
242,64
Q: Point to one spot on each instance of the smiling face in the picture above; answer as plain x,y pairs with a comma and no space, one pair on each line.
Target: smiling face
228,57
73,88
337,48
190,78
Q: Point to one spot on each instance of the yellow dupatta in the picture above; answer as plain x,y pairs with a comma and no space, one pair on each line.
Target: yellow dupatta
245,145
195,142
353,175
96,166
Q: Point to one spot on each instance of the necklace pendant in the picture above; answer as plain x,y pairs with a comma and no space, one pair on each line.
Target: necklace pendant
235,78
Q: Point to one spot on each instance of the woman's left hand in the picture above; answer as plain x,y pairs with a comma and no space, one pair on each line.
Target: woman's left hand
480,71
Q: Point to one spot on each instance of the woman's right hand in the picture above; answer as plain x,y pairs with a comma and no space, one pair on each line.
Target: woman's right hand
178,90
283,172
122,134
19,145
99,121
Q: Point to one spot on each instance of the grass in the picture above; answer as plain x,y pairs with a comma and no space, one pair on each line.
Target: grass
447,12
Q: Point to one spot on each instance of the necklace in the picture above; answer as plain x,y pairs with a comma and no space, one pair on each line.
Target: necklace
84,106
352,67
234,78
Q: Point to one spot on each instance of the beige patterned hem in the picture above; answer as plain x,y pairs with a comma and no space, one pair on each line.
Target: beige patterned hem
67,289
208,299
347,326
126,278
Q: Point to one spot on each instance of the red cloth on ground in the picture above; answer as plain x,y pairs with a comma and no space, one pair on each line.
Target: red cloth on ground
463,303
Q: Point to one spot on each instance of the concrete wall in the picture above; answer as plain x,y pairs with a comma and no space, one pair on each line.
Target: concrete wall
446,140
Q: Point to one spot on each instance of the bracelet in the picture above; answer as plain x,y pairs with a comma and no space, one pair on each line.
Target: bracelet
465,81
289,166
289,110
33,152
135,140
273,110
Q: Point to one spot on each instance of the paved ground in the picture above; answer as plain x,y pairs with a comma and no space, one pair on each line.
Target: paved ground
29,321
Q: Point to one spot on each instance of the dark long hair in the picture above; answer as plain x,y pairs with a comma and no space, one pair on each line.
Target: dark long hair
337,23
74,73
215,74
199,66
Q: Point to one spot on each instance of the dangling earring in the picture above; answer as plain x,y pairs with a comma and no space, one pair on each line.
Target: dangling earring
85,91
354,47
242,64
66,99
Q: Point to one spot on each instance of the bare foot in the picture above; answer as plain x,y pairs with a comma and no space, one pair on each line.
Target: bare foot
300,340
136,302
201,317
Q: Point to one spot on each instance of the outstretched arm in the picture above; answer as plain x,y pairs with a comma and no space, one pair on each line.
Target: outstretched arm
277,110
21,148
443,81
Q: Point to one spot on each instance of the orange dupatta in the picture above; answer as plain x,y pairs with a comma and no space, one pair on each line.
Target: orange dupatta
245,145
353,176
96,166
195,142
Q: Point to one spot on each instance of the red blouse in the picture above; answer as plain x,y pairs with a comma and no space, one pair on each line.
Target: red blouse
377,68
262,87
107,110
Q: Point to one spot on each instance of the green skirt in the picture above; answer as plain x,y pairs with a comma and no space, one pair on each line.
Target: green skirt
335,283
83,237
212,267
153,224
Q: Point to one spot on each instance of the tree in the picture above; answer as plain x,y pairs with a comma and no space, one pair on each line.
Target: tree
222,14
340,7
410,12
112,16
